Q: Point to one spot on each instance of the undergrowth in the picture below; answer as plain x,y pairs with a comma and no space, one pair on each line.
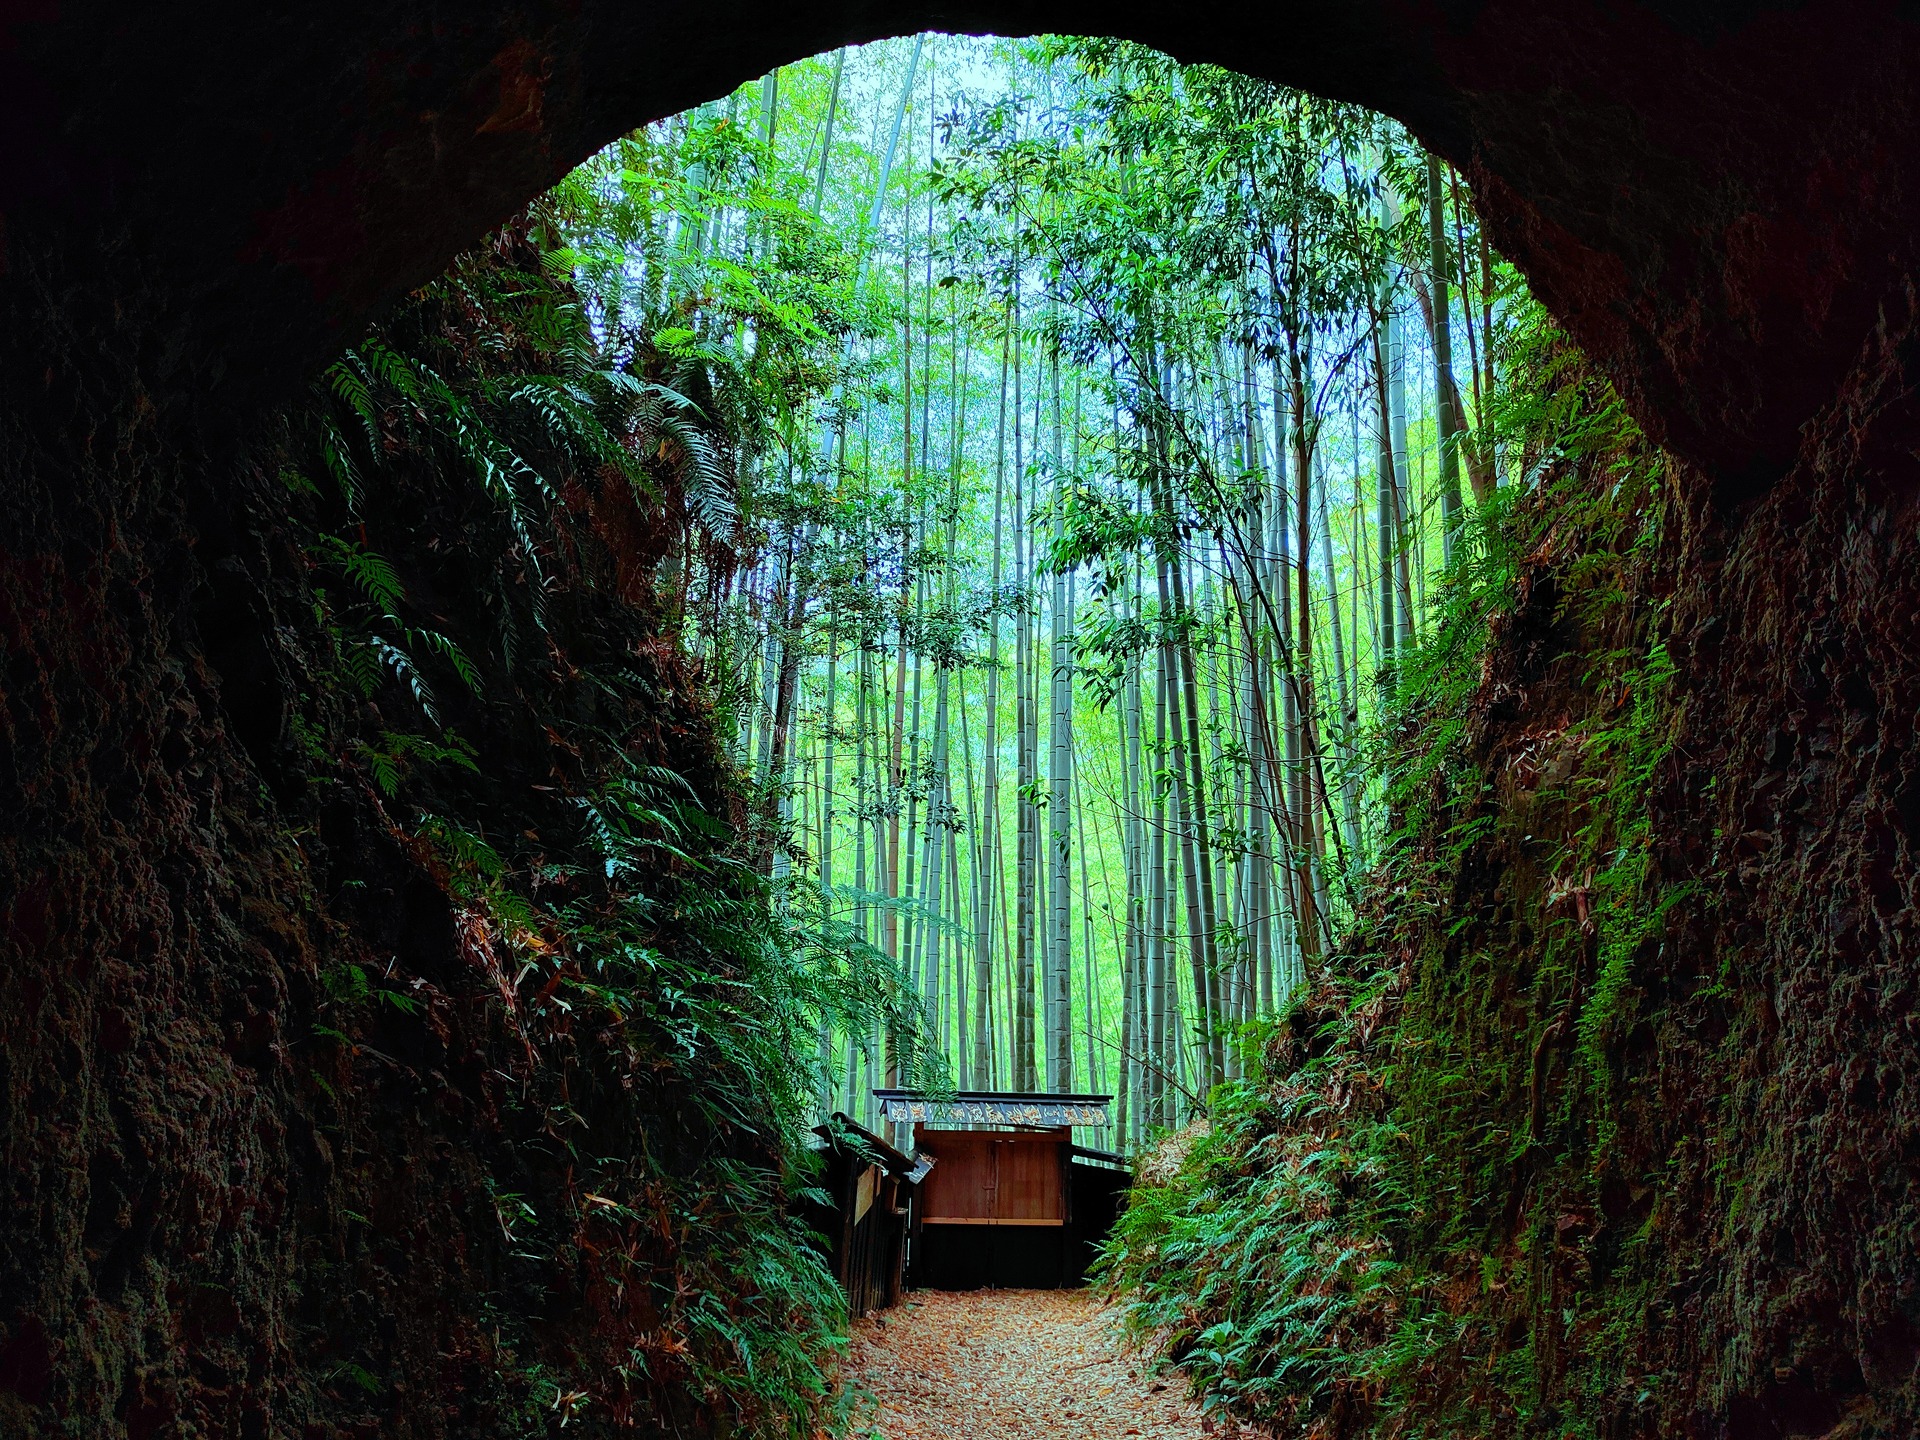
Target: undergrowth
1411,1218
484,491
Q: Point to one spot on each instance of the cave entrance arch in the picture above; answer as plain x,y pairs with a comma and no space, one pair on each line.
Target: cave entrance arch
1691,188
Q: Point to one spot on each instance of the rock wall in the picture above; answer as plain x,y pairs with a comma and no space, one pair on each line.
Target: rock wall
1700,188
1712,1232
1601,1122
290,1143
1794,798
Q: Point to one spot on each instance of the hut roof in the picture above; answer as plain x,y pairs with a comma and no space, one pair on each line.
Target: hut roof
842,1131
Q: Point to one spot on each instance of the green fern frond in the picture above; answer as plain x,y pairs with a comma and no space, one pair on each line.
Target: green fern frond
337,457
408,673
362,664
371,573
448,649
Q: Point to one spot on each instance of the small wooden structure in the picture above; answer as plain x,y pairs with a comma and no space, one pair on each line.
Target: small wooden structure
872,1189
1012,1201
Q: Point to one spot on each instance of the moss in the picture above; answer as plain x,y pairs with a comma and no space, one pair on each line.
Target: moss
1447,1101
1622,1017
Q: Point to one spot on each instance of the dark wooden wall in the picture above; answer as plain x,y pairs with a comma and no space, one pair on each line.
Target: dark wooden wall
865,1229
1009,1209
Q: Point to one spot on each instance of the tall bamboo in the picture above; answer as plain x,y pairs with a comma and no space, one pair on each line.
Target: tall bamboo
1059,952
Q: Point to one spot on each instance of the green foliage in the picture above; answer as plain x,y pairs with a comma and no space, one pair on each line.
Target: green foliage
369,656
699,998
726,1010
1333,1253
388,761
646,431
511,456
1260,1266
761,336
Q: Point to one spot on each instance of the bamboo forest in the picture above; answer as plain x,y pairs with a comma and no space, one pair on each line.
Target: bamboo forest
766,723
1105,443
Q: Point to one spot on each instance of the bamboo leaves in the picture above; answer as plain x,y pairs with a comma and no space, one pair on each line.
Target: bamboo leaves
1199,502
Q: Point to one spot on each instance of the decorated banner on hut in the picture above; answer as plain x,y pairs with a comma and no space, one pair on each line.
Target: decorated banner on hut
993,1107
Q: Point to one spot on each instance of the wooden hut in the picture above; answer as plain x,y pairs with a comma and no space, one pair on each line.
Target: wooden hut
871,1188
1011,1202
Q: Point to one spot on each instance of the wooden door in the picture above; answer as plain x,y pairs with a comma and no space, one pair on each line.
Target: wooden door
960,1187
1026,1183
994,1209
983,1177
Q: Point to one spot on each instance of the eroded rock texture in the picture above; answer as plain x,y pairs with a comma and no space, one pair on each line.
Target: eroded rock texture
275,1157
1701,189
1795,799
197,205
1693,1087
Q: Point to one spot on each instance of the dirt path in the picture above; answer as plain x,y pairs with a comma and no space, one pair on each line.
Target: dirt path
1013,1365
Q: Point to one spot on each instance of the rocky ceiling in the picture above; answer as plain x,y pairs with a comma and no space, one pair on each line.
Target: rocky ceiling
1719,198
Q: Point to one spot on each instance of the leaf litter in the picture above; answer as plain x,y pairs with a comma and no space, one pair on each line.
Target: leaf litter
1015,1365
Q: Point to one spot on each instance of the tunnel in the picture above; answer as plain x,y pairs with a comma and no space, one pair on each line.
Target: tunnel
200,207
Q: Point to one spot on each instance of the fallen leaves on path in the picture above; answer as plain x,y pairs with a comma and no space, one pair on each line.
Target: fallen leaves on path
1014,1365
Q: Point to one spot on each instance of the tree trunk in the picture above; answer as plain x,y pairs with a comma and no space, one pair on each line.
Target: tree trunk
830,716
988,846
1386,506
1026,744
1300,691
1406,532
1348,719
1159,979
1059,953
1133,968
826,139
1447,399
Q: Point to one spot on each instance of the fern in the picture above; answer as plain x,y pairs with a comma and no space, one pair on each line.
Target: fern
373,655
488,397
404,670
372,574
449,650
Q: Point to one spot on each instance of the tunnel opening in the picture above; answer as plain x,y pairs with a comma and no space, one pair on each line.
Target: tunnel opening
657,415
